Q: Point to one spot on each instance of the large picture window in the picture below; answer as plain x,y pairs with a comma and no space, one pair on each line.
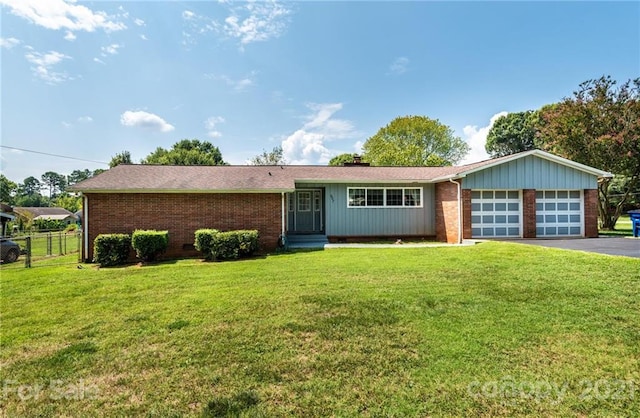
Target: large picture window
380,197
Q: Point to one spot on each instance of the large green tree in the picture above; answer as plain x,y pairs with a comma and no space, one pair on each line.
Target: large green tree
273,157
8,190
186,152
341,159
77,176
29,193
512,133
599,126
123,157
55,182
414,141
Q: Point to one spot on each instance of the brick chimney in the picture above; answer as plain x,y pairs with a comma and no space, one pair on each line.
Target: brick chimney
357,161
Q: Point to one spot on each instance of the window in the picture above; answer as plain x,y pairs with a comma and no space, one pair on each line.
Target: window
304,201
383,197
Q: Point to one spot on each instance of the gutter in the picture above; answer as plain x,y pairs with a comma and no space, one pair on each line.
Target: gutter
459,209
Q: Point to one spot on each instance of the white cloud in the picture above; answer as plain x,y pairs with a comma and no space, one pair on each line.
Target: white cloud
43,64
246,22
85,119
69,36
399,66
9,42
210,126
110,49
307,145
139,22
144,37
238,85
60,14
99,61
477,138
145,120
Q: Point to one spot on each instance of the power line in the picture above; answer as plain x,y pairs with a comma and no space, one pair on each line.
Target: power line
54,155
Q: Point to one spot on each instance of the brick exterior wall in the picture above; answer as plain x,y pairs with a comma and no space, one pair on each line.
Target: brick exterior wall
529,213
447,212
466,213
182,215
591,213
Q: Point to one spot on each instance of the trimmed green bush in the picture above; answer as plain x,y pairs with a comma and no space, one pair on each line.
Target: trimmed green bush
111,249
204,241
230,245
149,244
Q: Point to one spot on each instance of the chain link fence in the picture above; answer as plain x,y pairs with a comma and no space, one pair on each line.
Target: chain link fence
41,249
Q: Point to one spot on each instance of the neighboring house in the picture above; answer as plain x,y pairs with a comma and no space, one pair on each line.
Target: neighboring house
526,195
50,213
6,216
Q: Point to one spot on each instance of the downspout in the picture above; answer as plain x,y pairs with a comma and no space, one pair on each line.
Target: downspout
459,210
85,227
284,207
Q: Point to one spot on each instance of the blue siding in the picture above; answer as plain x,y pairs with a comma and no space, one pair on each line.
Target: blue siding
343,221
530,172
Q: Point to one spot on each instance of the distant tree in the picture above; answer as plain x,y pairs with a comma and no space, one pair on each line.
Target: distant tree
186,152
512,133
273,157
28,193
414,141
98,171
8,190
341,159
55,182
77,176
599,126
68,201
123,157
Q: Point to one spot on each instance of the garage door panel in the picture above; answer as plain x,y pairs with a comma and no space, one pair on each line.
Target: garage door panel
495,213
558,213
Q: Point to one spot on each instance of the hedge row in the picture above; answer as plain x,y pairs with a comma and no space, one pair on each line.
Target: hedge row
113,249
231,245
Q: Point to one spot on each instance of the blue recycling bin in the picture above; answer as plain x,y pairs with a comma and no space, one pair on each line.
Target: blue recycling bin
634,215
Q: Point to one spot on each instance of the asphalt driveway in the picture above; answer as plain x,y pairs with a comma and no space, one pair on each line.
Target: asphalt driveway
628,247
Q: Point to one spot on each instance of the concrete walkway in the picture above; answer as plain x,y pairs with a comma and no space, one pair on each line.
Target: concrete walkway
625,246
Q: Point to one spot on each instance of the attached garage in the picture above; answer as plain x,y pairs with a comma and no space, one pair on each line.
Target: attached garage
496,214
559,213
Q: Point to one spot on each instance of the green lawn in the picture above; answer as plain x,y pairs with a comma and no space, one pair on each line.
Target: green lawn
496,329
623,227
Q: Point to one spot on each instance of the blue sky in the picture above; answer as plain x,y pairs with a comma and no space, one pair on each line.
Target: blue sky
91,79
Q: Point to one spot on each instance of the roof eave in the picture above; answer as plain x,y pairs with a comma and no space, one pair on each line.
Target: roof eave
189,191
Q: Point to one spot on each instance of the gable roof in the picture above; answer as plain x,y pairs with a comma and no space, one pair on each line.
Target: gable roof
43,212
261,179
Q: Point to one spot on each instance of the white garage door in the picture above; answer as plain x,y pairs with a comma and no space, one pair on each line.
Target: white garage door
496,213
558,213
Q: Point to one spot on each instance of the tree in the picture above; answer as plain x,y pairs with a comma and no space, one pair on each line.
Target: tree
55,182
29,193
599,126
8,190
341,159
69,202
123,157
512,133
186,152
273,157
77,176
414,141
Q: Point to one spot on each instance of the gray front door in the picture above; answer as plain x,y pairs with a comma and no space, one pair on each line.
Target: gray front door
306,211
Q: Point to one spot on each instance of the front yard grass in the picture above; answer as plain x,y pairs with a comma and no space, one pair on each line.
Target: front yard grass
497,329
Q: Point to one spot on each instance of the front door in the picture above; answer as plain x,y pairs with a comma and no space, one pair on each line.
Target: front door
305,214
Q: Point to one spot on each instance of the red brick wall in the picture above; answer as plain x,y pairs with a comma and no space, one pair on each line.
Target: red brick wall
591,213
447,212
466,213
183,214
529,213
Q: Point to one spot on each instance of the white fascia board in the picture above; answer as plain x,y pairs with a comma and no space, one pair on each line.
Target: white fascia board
187,191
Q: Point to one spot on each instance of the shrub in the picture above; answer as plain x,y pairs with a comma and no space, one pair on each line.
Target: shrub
48,224
149,244
204,241
111,249
216,245
71,228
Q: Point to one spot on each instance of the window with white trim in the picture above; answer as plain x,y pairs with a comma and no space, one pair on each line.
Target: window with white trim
381,197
